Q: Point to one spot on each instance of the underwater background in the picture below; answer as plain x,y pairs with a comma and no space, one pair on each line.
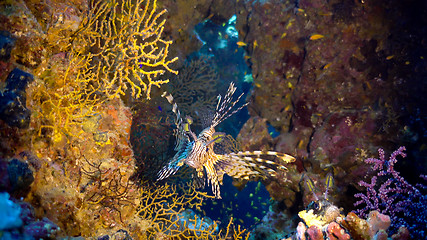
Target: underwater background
87,123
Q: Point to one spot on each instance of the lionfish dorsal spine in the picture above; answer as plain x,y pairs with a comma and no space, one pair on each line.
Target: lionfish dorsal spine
181,137
225,105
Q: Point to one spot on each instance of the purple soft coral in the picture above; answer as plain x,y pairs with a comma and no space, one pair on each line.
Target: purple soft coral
388,199
388,192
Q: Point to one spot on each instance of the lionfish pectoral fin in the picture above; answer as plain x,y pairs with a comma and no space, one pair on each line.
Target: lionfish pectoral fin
167,171
212,178
173,166
251,164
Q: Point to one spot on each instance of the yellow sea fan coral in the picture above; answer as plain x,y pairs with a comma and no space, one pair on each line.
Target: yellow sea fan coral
122,46
118,48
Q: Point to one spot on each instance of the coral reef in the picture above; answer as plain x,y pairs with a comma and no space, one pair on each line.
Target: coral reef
319,224
328,77
74,86
84,132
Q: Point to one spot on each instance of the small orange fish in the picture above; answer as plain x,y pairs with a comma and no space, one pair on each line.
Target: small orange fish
241,44
326,14
327,66
316,36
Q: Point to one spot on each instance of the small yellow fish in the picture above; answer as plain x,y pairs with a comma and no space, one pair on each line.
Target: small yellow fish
218,136
310,184
300,144
389,57
189,119
255,44
210,16
316,36
258,187
329,183
241,44
327,66
290,23
329,180
283,35
186,127
368,85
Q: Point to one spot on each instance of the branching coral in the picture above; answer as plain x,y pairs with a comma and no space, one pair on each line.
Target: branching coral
118,47
194,88
161,209
393,195
107,186
120,43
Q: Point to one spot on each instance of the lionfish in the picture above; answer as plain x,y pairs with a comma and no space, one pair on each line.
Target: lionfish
198,152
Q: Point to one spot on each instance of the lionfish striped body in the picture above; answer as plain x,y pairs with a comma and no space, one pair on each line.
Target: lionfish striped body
198,151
